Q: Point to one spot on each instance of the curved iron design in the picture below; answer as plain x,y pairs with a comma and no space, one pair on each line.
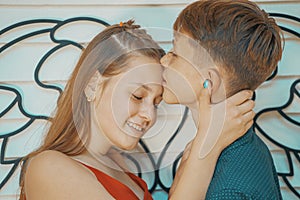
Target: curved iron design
294,93
288,150
55,25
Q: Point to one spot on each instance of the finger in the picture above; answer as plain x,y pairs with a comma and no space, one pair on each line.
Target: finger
204,106
240,97
246,118
242,131
204,101
247,126
204,97
246,106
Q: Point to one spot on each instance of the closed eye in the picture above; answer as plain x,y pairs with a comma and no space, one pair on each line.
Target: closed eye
137,97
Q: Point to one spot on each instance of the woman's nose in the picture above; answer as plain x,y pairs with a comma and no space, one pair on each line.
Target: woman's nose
147,112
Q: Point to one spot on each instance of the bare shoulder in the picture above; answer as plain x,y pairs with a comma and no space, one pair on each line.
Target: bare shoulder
48,164
54,175
49,159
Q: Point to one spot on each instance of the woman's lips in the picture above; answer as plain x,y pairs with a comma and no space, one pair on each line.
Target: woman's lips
136,130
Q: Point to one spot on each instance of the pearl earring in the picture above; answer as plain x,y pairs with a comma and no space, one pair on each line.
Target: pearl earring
90,97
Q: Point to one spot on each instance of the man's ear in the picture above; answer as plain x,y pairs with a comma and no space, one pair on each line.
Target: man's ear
215,80
92,87
216,87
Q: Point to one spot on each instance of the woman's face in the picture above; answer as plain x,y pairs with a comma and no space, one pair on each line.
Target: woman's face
127,106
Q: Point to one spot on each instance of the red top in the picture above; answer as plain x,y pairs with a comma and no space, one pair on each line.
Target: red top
117,189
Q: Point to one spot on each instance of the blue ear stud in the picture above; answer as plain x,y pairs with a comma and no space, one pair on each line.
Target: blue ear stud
206,83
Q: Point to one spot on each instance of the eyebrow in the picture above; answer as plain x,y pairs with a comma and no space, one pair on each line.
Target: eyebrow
144,86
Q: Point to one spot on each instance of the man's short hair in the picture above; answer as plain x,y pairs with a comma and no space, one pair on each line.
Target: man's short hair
242,39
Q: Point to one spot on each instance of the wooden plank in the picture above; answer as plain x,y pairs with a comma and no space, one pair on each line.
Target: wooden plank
159,16
275,93
35,101
11,189
117,2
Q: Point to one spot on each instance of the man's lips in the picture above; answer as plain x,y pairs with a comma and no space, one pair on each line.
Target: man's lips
164,79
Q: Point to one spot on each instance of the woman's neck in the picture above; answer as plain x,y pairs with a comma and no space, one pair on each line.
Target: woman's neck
112,161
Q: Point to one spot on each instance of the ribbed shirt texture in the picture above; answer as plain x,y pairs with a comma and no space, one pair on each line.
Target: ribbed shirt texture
245,170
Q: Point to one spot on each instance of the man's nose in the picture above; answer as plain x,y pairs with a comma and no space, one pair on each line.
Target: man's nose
165,60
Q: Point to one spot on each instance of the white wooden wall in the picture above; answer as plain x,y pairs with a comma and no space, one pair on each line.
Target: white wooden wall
17,66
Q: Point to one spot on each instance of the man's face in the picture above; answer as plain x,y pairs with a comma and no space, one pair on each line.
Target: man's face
183,71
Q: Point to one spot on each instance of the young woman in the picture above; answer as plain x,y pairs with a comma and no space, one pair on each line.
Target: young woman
108,104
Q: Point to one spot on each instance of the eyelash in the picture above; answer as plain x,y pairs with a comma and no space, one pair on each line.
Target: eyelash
137,97
140,98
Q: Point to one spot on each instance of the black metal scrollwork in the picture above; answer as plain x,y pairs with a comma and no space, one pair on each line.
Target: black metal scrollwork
18,99
294,92
55,25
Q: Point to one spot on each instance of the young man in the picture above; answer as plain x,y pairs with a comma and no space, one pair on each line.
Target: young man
230,46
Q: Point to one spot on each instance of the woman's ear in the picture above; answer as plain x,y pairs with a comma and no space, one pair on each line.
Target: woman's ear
92,87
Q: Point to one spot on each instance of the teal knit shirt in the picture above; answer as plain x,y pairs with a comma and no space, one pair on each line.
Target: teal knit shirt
245,170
